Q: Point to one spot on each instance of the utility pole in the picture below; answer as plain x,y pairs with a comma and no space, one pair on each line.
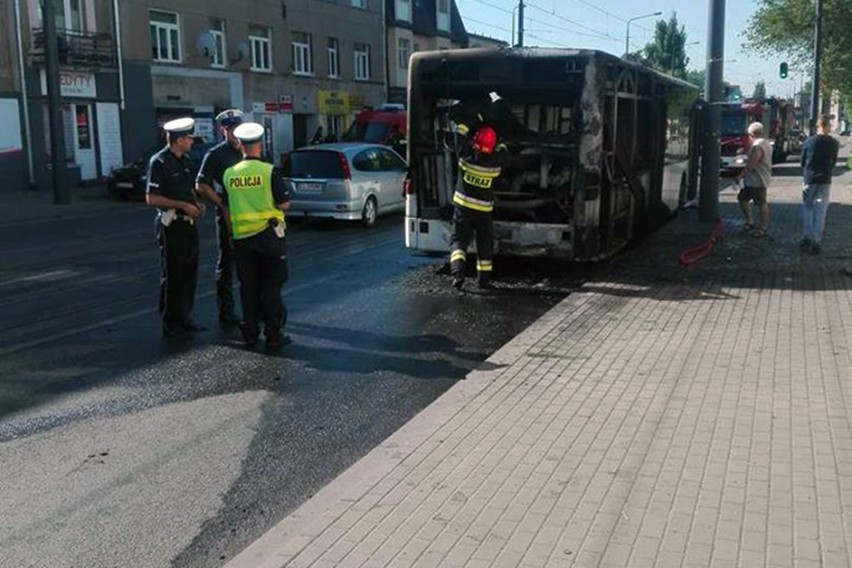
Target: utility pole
708,198
61,193
815,111
520,23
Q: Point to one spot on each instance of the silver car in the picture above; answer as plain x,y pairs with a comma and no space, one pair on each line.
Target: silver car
353,181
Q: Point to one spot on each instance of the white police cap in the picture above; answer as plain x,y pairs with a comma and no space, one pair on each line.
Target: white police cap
180,126
249,132
230,117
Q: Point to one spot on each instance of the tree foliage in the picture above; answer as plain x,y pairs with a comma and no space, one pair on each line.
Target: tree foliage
785,29
759,91
667,51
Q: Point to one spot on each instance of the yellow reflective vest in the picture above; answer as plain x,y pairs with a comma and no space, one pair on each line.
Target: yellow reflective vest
250,201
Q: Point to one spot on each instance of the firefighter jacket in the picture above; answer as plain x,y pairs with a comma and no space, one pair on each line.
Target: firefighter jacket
477,174
249,187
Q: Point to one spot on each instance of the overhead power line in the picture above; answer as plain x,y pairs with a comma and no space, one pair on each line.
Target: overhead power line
572,22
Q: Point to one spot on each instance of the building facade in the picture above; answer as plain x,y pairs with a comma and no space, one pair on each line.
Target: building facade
418,25
127,66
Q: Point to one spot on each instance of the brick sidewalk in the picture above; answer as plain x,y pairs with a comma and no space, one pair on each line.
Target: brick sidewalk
659,416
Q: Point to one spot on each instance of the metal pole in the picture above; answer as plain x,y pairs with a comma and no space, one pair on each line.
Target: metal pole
119,55
520,23
627,39
24,94
815,111
61,193
708,199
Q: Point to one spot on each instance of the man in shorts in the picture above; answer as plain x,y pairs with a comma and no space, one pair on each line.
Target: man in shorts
757,175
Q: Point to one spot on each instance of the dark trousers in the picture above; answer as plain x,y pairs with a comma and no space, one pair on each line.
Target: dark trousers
262,270
178,272
224,269
466,224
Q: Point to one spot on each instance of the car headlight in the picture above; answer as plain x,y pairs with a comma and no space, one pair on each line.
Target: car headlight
739,161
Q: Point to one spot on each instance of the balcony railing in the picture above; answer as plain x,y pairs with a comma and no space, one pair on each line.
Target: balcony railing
76,49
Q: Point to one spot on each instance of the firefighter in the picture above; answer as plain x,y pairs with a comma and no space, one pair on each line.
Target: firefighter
170,189
209,185
473,200
257,198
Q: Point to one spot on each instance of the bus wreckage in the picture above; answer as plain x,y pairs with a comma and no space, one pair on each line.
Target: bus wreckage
597,147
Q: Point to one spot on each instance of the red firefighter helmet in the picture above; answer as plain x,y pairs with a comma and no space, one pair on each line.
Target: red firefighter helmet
485,140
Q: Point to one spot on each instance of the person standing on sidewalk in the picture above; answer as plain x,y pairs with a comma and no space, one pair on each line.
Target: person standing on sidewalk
209,185
819,155
257,198
171,189
757,176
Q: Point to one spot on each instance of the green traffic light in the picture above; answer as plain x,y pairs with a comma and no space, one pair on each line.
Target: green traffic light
783,70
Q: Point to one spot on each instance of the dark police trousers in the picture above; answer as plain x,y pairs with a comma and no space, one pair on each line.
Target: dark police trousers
466,223
178,272
224,268
262,269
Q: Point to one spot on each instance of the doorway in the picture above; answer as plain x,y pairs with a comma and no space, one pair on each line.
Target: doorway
84,148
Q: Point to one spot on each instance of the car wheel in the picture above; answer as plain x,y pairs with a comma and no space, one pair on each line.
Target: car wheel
370,212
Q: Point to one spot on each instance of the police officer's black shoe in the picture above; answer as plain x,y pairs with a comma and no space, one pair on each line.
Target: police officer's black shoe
278,341
485,285
229,321
193,327
174,332
458,281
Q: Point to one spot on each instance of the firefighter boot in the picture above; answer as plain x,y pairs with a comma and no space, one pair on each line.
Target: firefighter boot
458,280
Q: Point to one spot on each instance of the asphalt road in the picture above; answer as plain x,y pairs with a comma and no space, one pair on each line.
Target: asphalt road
121,449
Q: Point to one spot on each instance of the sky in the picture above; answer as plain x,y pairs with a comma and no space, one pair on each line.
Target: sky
598,24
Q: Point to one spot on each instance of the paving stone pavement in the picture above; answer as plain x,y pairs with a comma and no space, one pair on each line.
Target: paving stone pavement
659,416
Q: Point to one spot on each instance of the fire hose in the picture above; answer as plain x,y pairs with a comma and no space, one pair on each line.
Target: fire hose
700,251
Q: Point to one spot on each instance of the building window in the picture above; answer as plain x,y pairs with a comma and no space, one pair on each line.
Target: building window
261,50
333,57
359,4
444,15
217,30
362,62
300,49
165,36
403,10
403,52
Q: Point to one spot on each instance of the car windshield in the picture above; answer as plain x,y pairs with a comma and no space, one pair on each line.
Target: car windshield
313,164
377,132
733,123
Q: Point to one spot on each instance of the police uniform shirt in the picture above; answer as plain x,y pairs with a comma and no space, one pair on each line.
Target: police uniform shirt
171,176
280,193
220,157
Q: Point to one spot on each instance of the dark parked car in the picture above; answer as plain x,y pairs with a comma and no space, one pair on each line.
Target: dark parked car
128,182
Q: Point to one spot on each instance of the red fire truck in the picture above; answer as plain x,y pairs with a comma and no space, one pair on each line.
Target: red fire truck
776,116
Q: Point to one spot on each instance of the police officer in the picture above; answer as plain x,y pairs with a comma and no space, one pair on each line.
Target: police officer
209,185
257,198
171,190
473,205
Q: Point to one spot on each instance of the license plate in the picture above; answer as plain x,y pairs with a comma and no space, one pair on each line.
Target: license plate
126,184
309,187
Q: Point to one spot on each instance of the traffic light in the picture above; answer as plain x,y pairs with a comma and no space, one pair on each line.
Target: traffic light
782,71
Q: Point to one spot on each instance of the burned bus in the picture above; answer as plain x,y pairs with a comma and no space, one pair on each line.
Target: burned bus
597,147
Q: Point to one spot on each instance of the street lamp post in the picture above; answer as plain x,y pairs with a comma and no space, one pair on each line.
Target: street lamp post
627,38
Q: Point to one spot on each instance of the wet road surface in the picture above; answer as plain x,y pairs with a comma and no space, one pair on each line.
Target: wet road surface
119,448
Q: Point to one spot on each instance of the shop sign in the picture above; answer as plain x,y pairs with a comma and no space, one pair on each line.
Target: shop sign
73,84
285,103
333,102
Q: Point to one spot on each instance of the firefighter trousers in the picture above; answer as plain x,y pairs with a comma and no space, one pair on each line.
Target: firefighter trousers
466,224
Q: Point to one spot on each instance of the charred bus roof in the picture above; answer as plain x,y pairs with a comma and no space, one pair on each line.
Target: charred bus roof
522,68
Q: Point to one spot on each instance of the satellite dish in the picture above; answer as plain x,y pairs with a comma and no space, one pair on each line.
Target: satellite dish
241,53
205,45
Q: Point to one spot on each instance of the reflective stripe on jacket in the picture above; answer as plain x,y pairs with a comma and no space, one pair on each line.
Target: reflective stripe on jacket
250,201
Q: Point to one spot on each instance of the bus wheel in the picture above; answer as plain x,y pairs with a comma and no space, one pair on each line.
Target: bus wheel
369,213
